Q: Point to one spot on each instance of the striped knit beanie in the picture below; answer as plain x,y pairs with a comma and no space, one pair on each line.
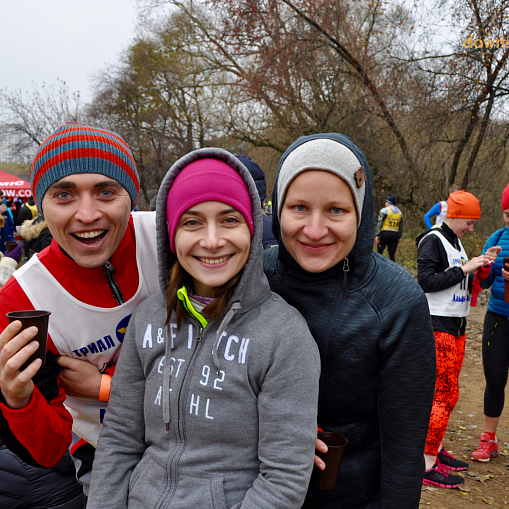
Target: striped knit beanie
74,149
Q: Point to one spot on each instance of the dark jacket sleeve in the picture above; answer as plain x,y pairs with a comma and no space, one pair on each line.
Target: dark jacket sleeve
380,222
14,482
23,485
433,273
268,237
406,389
24,214
42,241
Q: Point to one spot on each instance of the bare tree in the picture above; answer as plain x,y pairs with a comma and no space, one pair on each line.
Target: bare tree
27,119
158,98
479,70
299,67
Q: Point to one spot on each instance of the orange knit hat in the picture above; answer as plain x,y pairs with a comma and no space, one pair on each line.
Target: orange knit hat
463,205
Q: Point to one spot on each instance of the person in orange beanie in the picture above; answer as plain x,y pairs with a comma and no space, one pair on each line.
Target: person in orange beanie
443,273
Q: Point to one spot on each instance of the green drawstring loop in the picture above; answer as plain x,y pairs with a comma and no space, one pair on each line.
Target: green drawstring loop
182,296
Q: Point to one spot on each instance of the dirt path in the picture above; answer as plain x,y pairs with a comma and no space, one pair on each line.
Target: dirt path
486,484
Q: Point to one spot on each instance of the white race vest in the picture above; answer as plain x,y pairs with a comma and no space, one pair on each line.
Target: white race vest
443,213
453,301
87,332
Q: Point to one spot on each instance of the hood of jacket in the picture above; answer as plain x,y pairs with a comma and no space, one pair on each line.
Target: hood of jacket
257,174
32,228
358,258
253,285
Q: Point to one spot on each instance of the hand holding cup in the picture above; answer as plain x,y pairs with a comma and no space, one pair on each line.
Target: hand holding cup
10,245
327,478
21,345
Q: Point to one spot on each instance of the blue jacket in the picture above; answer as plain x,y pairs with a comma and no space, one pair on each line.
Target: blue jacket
495,279
374,333
7,231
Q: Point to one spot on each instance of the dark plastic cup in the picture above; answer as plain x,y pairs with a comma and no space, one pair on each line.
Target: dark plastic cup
10,245
40,319
328,478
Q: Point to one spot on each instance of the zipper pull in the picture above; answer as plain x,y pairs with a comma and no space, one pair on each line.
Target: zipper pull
346,269
198,337
110,267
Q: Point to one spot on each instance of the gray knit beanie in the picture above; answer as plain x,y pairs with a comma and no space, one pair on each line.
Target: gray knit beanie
327,155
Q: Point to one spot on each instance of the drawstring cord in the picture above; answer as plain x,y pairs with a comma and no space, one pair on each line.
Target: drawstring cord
226,320
166,381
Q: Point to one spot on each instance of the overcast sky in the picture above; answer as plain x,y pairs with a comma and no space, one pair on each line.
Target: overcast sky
45,40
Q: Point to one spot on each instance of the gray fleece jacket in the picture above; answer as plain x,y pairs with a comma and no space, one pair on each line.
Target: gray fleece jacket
214,418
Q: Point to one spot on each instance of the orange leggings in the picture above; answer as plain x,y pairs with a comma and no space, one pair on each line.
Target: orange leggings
450,354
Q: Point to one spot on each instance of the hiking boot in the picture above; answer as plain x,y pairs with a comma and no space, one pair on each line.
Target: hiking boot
439,477
487,449
448,461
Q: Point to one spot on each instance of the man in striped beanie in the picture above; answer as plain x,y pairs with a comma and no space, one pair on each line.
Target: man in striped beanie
75,158
100,266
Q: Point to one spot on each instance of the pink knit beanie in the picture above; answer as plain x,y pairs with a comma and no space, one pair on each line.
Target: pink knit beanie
206,180
505,198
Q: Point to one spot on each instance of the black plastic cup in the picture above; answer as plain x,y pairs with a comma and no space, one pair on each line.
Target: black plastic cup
40,319
10,245
336,443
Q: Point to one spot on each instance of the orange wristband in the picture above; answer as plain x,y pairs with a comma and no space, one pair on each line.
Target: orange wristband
104,391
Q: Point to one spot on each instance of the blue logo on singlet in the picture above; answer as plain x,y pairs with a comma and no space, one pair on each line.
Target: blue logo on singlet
462,298
122,327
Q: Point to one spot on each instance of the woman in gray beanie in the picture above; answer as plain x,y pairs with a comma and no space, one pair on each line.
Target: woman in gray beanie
368,316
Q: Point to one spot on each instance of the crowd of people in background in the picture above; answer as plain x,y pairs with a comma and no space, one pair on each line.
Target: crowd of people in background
20,216
199,347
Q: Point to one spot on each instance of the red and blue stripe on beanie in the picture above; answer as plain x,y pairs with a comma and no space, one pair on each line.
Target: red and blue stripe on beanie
74,149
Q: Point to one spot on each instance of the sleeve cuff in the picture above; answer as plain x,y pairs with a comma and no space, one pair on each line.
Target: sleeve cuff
22,414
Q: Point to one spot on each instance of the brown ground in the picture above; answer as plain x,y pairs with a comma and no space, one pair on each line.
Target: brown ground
486,484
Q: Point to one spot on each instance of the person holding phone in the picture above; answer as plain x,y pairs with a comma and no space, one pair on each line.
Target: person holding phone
443,273
495,339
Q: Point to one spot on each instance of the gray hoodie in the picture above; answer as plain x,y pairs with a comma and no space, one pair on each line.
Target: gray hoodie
218,418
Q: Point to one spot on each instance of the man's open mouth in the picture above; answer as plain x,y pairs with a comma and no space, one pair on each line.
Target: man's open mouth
90,237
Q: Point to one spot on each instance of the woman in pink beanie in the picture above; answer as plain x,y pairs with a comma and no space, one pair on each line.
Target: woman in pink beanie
214,399
495,340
